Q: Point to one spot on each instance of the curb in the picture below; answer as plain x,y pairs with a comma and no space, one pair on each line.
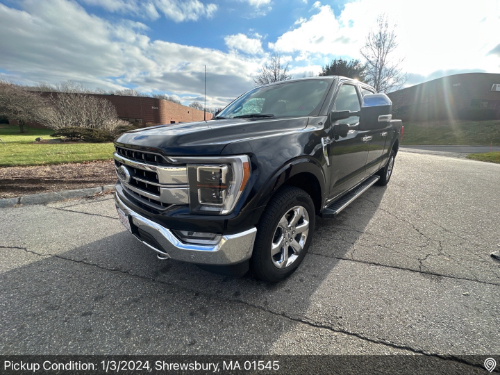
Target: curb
44,198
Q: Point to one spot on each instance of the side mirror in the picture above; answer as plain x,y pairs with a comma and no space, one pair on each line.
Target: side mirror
376,112
339,115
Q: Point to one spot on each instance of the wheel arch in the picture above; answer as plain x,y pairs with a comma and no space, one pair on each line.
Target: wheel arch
303,173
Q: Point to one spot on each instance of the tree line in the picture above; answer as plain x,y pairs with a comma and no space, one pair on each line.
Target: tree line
66,105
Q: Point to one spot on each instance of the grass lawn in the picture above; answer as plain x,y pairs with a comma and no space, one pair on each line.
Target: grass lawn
18,149
459,132
492,157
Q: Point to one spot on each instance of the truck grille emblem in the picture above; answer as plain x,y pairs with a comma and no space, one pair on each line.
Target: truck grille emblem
123,174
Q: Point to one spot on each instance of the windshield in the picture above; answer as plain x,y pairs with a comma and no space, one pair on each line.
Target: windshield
297,98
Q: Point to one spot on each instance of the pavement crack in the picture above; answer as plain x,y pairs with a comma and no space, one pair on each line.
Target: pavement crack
360,336
26,250
232,300
283,314
405,269
84,213
408,222
421,261
68,259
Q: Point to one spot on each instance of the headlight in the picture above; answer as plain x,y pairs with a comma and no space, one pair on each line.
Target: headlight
215,184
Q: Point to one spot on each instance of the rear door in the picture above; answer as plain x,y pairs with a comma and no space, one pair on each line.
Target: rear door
347,154
377,147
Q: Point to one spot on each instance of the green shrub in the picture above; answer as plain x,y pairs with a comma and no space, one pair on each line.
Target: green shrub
85,134
119,130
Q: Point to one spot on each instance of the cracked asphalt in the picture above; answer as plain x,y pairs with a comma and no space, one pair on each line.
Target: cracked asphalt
405,269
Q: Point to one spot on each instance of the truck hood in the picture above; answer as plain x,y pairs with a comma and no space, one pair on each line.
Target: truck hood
207,138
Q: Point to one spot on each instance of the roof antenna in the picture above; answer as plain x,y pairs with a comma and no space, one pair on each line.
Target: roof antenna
205,107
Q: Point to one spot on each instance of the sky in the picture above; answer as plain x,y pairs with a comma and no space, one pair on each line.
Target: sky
163,46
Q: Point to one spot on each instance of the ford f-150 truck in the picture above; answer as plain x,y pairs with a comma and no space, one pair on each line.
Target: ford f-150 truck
243,189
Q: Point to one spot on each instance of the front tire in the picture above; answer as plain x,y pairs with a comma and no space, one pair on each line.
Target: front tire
386,172
284,234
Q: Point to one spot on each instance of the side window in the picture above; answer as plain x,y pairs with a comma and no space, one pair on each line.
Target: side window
365,92
347,100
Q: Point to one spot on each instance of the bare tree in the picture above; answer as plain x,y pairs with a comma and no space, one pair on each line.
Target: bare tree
166,97
339,67
170,98
272,71
382,73
196,105
17,103
127,92
82,110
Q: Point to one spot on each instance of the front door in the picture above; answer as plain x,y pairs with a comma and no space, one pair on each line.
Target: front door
347,154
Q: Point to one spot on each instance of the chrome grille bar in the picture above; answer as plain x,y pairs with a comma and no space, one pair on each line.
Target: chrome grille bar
166,175
158,186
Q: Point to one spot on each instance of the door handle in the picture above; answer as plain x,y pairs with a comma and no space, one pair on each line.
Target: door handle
367,138
383,134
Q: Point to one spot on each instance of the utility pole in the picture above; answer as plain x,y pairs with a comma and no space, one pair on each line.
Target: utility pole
205,106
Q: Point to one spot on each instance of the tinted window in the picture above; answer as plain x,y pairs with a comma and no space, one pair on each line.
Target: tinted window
347,99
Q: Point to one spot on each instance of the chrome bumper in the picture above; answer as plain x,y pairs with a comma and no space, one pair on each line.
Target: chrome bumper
231,249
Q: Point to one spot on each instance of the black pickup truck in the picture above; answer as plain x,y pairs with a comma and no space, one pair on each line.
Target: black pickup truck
244,188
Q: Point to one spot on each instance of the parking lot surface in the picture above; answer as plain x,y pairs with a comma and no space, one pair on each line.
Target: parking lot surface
405,269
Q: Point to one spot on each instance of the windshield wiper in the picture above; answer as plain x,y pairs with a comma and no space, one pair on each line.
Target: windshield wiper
253,115
219,118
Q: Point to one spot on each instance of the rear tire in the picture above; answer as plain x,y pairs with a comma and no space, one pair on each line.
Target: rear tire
284,234
386,172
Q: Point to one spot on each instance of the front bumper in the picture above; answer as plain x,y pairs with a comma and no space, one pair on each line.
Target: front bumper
231,249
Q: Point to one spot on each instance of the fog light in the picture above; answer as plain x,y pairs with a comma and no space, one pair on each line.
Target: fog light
200,238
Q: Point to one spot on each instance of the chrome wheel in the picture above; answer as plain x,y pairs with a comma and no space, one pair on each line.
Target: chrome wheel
390,166
290,237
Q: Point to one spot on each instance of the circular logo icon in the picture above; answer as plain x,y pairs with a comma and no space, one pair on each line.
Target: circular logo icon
123,174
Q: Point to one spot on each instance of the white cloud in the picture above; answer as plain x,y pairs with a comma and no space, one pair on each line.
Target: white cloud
259,3
38,45
435,35
306,71
141,9
185,10
260,8
300,21
244,44
320,34
176,10
432,35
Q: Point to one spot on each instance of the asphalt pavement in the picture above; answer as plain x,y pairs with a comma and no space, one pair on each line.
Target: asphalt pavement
405,269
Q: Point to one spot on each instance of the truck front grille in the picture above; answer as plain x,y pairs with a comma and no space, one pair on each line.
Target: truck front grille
145,202
144,180
151,180
141,156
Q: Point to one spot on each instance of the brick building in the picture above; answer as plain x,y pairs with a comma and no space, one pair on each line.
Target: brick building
151,111
460,96
145,111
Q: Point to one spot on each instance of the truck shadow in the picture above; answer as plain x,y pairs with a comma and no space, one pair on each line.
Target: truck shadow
113,296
